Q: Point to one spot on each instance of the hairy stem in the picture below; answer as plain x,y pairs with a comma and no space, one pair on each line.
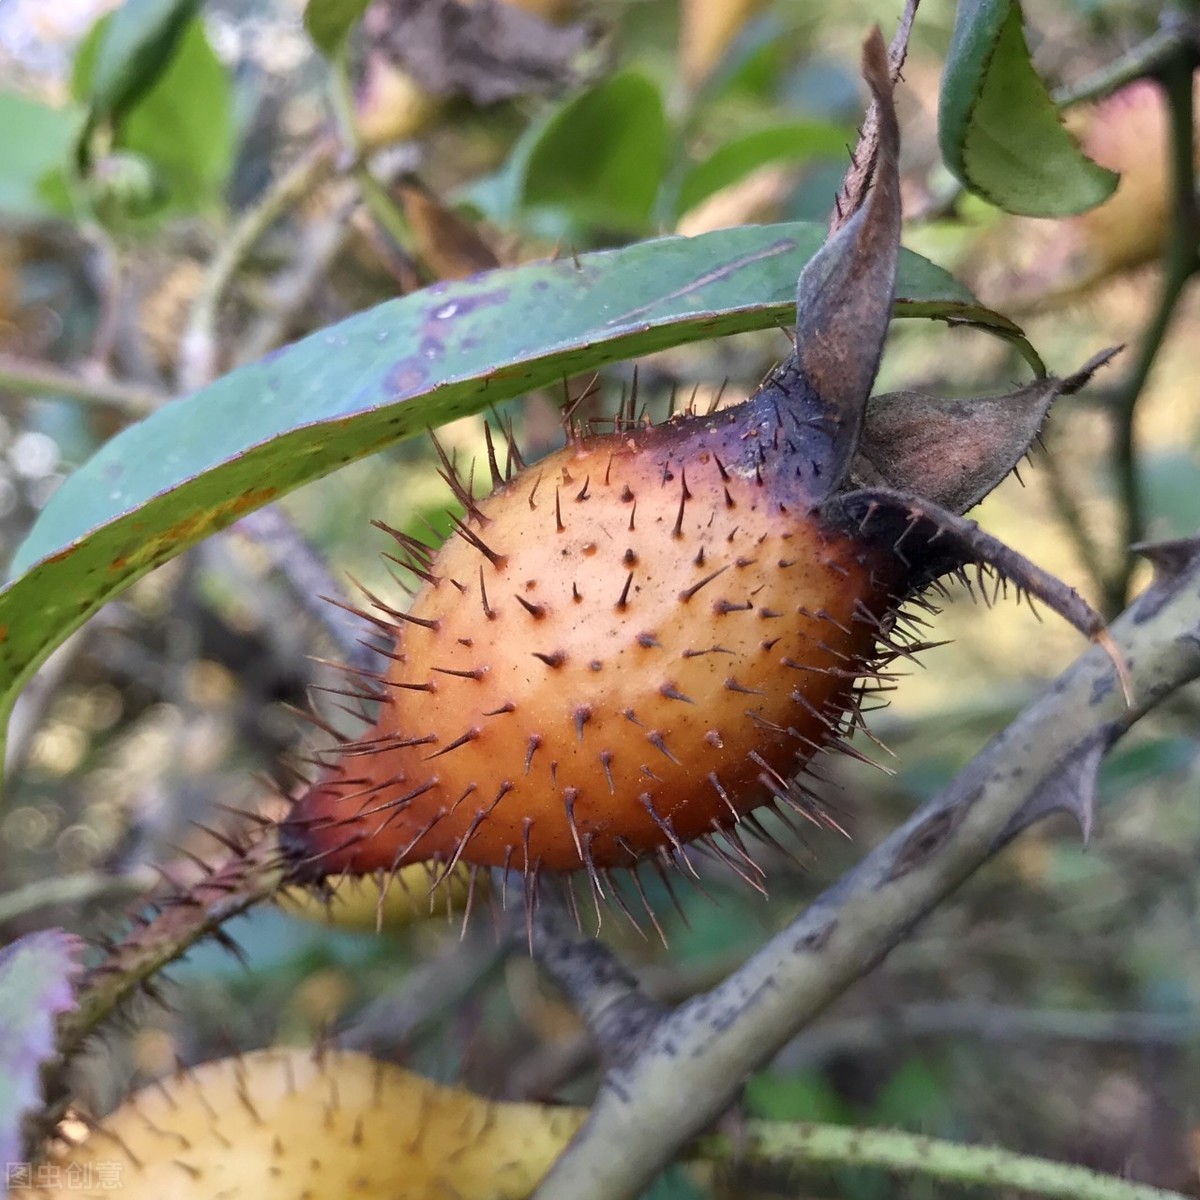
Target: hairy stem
198,349
30,377
248,877
990,1167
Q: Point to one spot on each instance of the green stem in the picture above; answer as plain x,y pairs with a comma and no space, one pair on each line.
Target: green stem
29,377
198,351
914,1154
375,196
1066,506
1146,58
74,889
1181,260
246,878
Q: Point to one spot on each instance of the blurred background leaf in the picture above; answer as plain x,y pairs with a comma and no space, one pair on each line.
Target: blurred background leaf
329,21
133,48
173,112
38,140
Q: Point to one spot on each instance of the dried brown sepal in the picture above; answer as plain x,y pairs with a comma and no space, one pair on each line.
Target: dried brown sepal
954,452
844,297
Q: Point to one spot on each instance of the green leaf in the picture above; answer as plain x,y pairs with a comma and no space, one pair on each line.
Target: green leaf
203,461
998,127
736,159
183,125
602,155
136,46
753,65
913,1098
37,141
35,986
329,22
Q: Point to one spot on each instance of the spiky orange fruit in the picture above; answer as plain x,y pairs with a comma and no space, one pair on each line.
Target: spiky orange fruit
635,643
629,647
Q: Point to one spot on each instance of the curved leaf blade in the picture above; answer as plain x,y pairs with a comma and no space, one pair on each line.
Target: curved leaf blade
998,127
383,375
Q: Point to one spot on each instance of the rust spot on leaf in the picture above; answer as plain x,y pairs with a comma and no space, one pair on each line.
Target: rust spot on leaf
405,378
190,529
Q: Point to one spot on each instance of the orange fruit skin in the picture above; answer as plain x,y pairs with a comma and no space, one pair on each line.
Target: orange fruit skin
659,636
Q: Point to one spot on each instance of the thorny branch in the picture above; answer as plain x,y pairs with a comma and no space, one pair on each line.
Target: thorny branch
696,1059
1142,61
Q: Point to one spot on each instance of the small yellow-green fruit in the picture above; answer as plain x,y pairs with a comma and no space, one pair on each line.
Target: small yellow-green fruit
285,1124
373,904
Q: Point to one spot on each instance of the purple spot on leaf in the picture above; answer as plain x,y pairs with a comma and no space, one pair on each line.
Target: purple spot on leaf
405,378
